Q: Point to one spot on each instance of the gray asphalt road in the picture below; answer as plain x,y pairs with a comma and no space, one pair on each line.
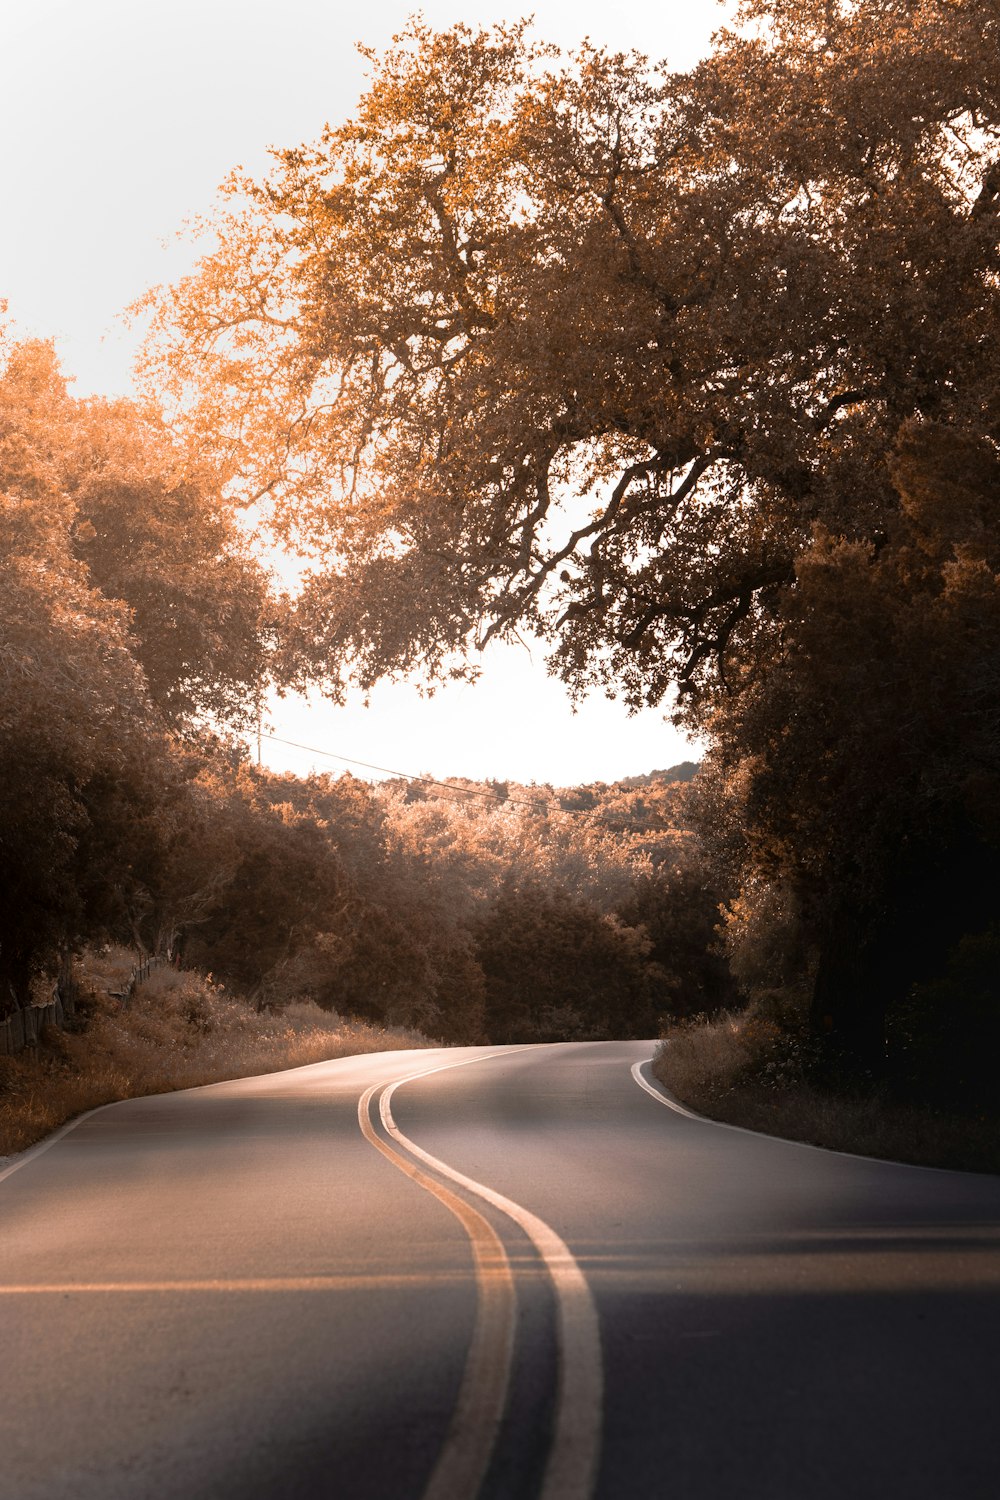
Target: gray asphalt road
517,1276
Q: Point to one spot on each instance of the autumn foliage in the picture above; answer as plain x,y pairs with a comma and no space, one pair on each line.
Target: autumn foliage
134,622
694,375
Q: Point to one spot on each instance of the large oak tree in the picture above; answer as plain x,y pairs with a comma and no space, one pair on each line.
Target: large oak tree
582,344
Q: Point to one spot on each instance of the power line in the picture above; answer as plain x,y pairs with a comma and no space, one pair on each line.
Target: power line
456,791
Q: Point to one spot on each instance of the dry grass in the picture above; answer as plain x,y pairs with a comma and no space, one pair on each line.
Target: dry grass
105,969
180,1030
744,1070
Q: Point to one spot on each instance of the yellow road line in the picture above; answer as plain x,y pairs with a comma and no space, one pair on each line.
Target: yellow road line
571,1470
346,1283
465,1456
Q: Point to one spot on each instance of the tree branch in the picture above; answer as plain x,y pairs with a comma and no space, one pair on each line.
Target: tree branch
837,403
519,600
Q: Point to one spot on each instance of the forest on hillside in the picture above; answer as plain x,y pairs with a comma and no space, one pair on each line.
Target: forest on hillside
695,375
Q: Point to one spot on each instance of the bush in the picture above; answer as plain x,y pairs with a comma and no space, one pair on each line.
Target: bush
747,1070
944,1040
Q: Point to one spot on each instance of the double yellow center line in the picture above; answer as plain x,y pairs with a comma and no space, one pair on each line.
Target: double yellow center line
571,1468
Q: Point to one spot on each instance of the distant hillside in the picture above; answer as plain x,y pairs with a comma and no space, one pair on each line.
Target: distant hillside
683,772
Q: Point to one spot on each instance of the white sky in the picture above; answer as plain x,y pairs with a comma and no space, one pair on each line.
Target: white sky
118,119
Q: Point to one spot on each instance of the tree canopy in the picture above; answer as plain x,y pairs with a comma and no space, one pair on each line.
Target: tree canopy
579,344
129,610
160,535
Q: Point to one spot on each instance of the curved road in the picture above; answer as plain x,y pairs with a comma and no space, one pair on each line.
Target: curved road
503,1273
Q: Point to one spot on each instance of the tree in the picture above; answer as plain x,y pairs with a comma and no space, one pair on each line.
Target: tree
625,357
557,970
128,606
157,533
591,347
81,762
152,531
678,910
862,773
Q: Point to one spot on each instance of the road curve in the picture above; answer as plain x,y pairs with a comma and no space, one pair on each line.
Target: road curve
486,1274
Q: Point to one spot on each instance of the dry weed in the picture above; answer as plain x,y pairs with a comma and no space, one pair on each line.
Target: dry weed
181,1030
743,1070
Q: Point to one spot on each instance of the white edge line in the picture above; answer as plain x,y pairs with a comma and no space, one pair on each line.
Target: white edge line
29,1154
658,1092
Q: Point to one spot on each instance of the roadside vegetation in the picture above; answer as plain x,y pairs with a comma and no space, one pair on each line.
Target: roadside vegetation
179,1030
744,1070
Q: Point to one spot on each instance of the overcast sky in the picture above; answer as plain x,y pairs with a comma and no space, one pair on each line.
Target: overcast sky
118,120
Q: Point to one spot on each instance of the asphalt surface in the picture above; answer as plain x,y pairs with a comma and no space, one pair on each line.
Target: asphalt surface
519,1276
